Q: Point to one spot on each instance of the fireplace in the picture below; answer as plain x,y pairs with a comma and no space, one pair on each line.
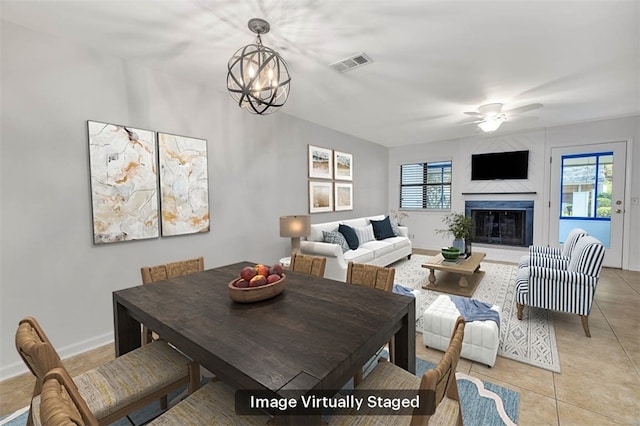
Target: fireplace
505,223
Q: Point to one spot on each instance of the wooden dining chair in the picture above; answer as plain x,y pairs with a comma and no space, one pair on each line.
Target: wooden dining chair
62,404
371,276
374,277
165,271
438,390
116,388
307,264
151,274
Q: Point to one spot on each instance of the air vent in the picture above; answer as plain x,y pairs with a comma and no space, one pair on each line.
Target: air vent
355,61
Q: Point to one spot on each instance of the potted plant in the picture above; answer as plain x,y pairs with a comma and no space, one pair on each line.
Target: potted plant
460,227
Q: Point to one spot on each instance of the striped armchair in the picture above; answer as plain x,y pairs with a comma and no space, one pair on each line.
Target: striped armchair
566,286
539,255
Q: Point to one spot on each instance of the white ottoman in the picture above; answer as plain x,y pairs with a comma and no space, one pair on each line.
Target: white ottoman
481,338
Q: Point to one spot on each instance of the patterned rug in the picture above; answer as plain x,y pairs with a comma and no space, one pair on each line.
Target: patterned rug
483,403
532,340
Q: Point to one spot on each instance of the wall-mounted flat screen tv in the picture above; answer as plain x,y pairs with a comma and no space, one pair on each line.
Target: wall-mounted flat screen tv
500,165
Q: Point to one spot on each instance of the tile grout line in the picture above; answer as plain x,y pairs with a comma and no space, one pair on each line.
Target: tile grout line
633,365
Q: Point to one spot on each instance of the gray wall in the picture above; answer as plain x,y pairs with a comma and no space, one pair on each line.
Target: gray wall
257,172
50,268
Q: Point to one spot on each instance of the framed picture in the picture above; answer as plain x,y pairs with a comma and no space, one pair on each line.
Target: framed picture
344,196
343,165
184,184
124,183
320,163
320,197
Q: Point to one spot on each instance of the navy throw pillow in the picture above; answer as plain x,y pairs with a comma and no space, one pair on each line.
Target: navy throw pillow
382,228
350,236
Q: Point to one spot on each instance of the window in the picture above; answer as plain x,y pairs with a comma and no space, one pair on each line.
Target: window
425,185
586,186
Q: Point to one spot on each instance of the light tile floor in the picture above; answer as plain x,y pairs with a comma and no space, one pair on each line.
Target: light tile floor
599,383
600,379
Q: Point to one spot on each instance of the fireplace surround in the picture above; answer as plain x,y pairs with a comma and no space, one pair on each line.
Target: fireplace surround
501,223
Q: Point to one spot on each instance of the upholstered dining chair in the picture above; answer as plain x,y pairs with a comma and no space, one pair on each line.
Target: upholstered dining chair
117,387
564,286
307,264
438,390
539,255
151,274
374,277
62,405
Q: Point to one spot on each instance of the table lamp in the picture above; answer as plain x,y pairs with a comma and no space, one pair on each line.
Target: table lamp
295,227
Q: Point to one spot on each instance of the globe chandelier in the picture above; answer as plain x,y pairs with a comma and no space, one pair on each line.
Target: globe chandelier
258,78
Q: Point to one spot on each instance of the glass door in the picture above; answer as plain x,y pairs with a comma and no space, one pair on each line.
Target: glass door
587,190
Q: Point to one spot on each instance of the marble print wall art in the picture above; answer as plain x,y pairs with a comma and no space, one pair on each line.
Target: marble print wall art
184,184
124,188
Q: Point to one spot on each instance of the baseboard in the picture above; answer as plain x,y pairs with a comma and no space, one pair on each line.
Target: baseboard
17,368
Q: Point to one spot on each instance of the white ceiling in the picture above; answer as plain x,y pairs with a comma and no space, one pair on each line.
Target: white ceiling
433,60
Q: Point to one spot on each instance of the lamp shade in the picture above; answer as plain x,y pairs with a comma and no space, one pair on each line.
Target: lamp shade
295,226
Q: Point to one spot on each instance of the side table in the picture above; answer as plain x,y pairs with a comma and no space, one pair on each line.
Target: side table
285,261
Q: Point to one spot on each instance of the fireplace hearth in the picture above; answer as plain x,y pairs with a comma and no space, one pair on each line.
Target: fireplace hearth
505,223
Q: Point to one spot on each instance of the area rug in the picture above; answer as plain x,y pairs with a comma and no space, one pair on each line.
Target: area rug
483,403
531,341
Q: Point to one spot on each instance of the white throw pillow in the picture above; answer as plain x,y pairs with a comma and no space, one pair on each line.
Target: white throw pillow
365,233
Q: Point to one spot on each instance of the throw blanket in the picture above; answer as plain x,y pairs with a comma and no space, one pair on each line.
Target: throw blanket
398,289
475,310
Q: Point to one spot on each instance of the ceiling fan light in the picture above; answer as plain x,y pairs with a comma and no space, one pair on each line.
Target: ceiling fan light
491,124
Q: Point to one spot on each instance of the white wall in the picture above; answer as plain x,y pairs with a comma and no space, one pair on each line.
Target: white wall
539,142
49,267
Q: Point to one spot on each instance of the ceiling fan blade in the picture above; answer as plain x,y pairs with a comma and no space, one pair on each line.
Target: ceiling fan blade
523,108
523,118
420,119
474,114
463,123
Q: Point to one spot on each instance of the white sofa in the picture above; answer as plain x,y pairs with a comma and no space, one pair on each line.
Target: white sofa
377,252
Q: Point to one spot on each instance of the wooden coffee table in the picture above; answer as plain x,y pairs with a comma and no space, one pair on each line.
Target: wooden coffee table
468,268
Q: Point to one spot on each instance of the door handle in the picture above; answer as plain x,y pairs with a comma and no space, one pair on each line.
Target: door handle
618,210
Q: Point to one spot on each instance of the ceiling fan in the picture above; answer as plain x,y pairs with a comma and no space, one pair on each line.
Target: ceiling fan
491,116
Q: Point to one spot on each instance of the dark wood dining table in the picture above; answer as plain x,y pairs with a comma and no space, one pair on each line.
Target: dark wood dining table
312,337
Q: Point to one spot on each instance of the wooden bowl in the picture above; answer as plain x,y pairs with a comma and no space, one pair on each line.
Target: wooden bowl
255,294
450,253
